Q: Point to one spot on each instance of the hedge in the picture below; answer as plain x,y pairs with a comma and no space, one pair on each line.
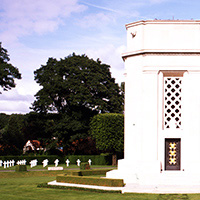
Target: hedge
84,180
104,159
108,131
88,172
94,172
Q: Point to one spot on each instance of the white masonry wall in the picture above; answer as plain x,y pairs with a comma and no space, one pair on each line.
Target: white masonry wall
154,47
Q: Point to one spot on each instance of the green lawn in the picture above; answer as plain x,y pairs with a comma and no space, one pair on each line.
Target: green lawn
23,185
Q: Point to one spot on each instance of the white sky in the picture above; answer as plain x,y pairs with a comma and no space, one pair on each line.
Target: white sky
34,30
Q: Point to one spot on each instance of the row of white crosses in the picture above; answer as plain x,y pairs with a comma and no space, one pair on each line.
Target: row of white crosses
78,162
7,164
45,162
33,163
21,162
11,163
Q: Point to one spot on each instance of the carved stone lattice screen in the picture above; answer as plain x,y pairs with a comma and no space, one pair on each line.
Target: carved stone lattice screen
172,102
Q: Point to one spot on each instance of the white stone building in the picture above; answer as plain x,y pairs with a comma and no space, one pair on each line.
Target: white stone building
162,104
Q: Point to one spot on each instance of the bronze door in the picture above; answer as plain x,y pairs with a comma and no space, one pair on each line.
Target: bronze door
172,154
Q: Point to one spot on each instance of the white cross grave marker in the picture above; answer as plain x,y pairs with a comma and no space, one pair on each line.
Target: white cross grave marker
89,161
67,162
78,162
1,162
23,162
4,164
12,163
45,162
56,162
8,163
33,163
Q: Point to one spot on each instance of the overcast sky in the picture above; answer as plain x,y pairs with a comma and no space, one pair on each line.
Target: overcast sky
34,30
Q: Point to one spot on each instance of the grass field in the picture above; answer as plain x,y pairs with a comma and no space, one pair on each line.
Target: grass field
23,185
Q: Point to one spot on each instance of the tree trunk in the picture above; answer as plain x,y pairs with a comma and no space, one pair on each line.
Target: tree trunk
114,160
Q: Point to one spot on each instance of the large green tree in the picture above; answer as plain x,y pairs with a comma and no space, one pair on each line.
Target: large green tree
77,88
7,71
74,82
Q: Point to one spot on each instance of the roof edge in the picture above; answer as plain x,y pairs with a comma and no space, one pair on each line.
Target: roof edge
144,22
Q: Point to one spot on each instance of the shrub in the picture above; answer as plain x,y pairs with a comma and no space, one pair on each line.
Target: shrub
20,168
84,165
88,172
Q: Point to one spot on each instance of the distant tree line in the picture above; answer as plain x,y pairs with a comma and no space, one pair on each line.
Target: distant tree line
17,129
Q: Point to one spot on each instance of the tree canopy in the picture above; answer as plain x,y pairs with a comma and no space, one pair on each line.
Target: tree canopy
7,71
74,82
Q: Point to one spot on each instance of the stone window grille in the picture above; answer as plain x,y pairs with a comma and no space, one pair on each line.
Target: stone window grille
172,100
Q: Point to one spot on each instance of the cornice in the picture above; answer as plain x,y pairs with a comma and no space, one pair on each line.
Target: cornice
166,52
145,22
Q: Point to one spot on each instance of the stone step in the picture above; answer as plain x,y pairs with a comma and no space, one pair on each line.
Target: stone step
179,178
161,189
